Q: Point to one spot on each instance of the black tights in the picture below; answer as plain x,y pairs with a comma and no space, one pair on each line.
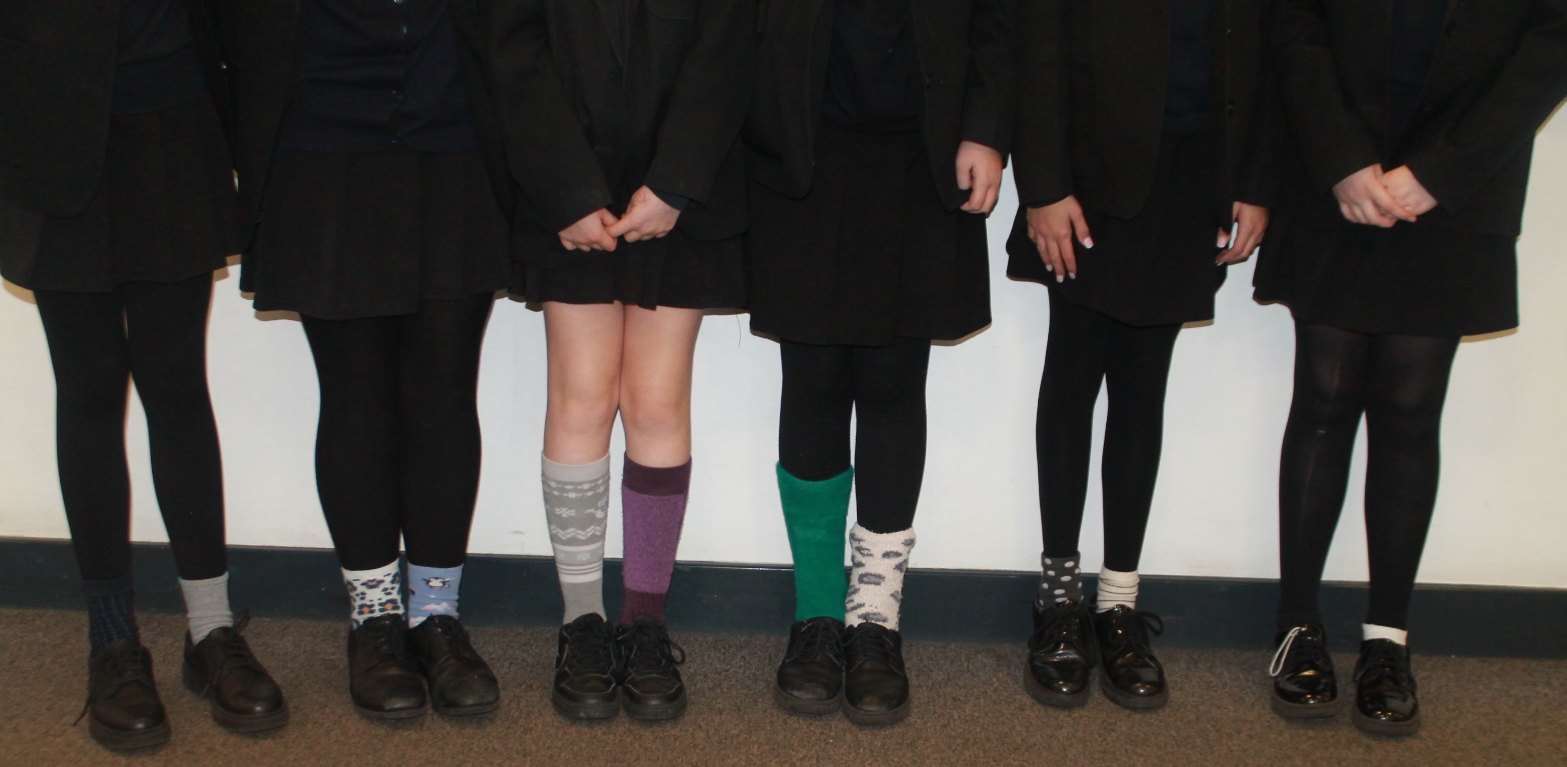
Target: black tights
1400,383
397,447
1085,348
822,388
155,334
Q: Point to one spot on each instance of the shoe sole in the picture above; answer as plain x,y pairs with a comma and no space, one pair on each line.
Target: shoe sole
121,741
659,713
572,710
1050,697
483,708
402,713
240,723
877,718
1380,727
795,705
1290,710
1133,702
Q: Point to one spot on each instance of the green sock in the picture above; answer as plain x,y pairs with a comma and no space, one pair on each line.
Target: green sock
817,514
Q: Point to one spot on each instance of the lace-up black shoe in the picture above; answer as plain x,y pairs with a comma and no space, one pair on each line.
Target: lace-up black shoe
1130,675
649,680
221,668
1303,683
876,686
1385,701
383,680
810,679
1060,654
586,662
123,708
461,683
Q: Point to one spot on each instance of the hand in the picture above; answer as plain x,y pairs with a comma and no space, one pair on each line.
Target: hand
590,233
1052,229
1250,223
979,174
1408,191
1363,199
647,218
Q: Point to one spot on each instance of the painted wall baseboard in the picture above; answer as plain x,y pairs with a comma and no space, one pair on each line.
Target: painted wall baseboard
948,605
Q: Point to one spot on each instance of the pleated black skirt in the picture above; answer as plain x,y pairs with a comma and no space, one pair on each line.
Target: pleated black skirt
371,234
1156,268
870,254
165,210
675,271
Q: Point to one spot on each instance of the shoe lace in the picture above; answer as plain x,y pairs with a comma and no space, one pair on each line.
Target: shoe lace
650,647
592,648
870,646
1379,659
816,639
125,668
454,635
386,638
236,654
1307,650
1064,627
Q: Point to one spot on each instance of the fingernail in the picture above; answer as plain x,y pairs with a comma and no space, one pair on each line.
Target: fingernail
1088,243
1049,268
1059,278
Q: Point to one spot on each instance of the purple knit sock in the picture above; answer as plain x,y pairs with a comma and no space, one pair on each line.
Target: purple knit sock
654,505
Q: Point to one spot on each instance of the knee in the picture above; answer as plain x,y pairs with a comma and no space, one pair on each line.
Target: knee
655,414
583,409
173,395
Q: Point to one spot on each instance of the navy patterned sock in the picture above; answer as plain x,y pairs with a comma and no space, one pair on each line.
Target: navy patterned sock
111,610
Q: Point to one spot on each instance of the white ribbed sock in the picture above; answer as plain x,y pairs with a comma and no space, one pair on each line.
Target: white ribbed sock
1370,631
206,605
1116,588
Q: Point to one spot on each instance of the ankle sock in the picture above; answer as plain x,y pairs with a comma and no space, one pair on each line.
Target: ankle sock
432,591
374,592
576,501
816,515
876,577
653,503
1061,579
1116,588
206,605
111,610
1370,631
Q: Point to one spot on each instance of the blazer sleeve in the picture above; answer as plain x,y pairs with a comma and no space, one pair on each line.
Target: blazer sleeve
1334,142
1457,162
1260,166
708,104
550,156
990,98
1041,162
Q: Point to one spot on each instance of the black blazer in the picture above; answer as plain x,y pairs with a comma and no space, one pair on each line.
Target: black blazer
1093,78
57,62
966,59
1499,72
589,118
262,44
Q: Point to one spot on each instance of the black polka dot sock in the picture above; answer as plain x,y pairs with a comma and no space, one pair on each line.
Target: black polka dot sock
1061,579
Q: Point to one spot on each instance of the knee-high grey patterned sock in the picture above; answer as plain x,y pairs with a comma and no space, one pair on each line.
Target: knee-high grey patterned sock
373,593
1062,579
876,576
576,501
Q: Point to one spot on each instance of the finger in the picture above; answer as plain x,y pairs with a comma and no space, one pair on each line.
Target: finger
1080,227
1373,215
1383,199
1224,237
621,227
991,197
568,244
1068,258
1344,210
1057,265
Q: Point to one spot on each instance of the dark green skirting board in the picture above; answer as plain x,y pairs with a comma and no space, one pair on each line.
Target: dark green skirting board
948,605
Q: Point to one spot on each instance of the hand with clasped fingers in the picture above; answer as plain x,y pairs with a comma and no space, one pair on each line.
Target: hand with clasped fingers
1375,198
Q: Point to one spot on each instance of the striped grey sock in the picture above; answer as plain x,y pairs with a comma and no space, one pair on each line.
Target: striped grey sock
1061,579
206,605
576,501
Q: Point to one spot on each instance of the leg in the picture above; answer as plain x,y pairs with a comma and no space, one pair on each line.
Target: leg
1405,390
585,343
814,476
1330,373
1137,370
889,397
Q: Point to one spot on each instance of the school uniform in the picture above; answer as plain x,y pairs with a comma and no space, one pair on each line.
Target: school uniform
601,98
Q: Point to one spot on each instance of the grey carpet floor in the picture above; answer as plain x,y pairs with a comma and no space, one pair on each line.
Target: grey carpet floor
969,709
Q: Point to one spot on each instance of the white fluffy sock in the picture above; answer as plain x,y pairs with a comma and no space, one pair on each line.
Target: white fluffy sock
1116,588
1370,631
876,578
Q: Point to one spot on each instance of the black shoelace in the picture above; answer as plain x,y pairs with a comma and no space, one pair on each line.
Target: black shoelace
1382,659
1129,631
129,667
388,637
866,645
592,649
1064,627
454,636
817,639
650,648
236,654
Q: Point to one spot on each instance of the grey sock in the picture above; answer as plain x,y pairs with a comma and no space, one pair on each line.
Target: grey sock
207,605
576,500
1061,579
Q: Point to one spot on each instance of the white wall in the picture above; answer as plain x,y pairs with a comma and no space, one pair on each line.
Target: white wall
1499,519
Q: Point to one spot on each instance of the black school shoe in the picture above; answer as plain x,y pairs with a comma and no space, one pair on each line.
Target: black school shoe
461,683
383,679
810,679
650,683
1304,686
1060,654
876,686
587,660
222,669
123,708
1130,674
1385,700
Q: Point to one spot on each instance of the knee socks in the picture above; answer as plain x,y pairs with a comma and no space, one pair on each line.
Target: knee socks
653,502
576,502
876,577
815,515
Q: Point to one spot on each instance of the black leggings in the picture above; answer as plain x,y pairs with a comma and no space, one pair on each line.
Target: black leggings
398,446
1400,383
1085,348
156,334
822,387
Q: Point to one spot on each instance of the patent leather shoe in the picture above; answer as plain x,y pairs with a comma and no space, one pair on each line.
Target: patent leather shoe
1130,674
1060,654
876,683
1385,690
1304,686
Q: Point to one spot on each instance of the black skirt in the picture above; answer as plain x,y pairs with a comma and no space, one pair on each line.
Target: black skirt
371,234
870,254
1423,279
1154,269
675,270
164,211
